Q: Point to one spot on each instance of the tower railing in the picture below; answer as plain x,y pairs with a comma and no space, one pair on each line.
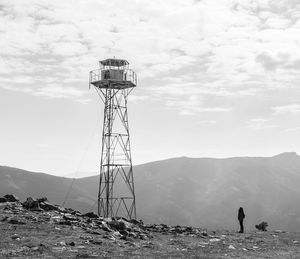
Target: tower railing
101,74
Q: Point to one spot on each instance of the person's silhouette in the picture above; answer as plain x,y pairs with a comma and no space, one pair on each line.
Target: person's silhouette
241,216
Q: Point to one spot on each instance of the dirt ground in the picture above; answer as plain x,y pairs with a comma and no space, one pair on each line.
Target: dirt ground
38,234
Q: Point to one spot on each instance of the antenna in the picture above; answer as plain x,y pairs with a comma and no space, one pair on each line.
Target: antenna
114,81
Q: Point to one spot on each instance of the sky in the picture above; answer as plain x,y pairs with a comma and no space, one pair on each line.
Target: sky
216,78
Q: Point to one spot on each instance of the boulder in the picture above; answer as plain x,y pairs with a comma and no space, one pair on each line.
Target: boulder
135,222
42,199
105,228
65,222
123,232
45,205
91,215
262,226
11,198
117,225
3,199
71,243
16,221
31,204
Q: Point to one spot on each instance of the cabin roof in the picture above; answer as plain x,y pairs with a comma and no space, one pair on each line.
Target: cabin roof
114,62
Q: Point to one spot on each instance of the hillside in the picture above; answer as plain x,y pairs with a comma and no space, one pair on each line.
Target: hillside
208,192
203,192
24,184
38,229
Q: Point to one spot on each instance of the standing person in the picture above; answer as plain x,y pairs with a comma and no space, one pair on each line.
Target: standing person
241,216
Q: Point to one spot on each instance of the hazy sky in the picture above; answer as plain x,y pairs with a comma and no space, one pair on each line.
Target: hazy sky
216,78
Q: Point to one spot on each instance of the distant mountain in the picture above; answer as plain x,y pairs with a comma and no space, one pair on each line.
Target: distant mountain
204,192
24,184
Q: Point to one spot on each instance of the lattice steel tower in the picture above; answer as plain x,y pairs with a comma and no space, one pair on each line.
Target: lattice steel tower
114,81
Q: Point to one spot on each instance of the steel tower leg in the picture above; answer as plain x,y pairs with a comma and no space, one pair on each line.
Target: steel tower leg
116,197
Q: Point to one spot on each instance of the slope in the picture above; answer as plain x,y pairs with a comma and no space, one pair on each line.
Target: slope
203,192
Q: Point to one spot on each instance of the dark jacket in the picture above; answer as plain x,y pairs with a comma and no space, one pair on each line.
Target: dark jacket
241,214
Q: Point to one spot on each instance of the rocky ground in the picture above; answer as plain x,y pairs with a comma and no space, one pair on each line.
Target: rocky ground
39,229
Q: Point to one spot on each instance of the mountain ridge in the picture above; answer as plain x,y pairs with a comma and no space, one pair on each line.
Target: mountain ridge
191,191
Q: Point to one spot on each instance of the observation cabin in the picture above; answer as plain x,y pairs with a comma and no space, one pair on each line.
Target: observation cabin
113,74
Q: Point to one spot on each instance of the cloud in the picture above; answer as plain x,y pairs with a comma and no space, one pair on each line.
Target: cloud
192,110
214,50
138,98
57,91
260,124
267,61
18,79
294,129
281,60
207,122
286,109
193,105
68,49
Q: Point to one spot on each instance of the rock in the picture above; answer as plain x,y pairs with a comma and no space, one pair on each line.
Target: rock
94,232
42,199
116,234
176,229
4,219
148,245
31,204
41,248
105,228
128,224
15,236
214,239
117,225
11,198
142,236
16,221
91,215
123,232
58,249
3,199
279,231
231,247
13,207
164,226
71,243
73,212
85,255
96,242
85,237
262,226
70,218
123,237
135,222
47,206
65,222
203,244
133,234
189,229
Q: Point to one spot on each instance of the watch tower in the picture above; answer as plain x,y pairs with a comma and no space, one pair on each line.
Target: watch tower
114,81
